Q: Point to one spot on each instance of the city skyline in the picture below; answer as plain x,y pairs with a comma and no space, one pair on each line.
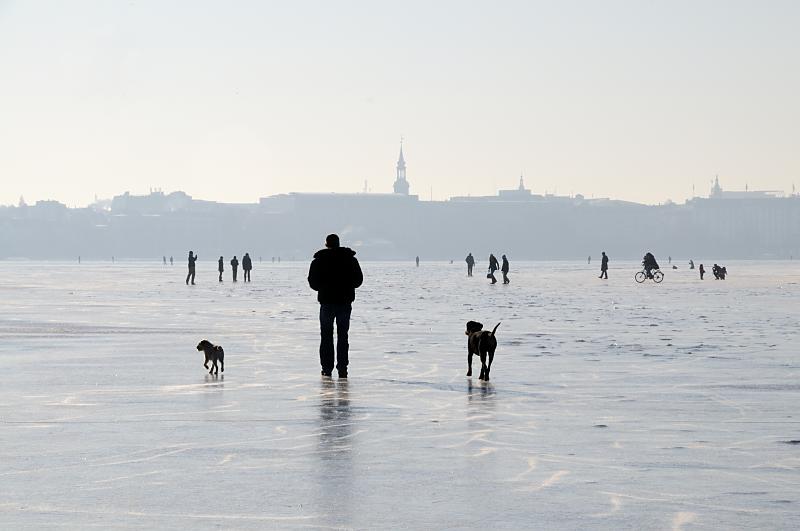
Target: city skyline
401,185
623,100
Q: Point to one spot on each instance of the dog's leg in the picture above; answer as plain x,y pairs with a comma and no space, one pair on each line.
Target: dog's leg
222,364
469,362
489,367
484,372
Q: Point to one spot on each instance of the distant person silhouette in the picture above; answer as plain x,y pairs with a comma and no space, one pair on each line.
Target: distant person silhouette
589,260
170,261
235,267
669,259
220,267
691,264
192,260
79,259
470,264
505,269
649,263
247,266
165,260
334,274
702,271
493,266
604,266
417,261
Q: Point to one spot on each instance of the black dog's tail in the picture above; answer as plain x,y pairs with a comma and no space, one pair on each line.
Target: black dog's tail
495,328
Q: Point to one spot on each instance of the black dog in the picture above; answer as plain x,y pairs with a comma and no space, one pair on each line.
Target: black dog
214,353
482,343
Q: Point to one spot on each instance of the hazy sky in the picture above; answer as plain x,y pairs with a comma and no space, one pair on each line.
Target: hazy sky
637,100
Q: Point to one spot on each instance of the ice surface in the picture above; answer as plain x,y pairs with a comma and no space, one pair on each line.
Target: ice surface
612,405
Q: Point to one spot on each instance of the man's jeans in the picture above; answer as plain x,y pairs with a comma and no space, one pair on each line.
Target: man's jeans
327,314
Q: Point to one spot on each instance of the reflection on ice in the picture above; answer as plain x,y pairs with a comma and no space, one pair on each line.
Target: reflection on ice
612,405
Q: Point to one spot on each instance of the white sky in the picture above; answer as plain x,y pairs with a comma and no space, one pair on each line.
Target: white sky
231,101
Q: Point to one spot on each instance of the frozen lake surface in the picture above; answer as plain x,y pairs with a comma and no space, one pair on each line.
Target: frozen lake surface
612,405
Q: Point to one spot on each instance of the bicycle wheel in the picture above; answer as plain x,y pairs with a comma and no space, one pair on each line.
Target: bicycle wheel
640,277
658,276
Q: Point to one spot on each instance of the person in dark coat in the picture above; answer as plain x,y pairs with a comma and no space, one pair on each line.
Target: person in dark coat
334,274
247,266
220,268
192,260
702,271
505,269
649,263
470,264
235,267
493,266
604,266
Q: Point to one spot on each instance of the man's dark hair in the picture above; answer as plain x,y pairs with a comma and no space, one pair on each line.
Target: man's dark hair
332,241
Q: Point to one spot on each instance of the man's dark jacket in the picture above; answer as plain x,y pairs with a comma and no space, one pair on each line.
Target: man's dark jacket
335,274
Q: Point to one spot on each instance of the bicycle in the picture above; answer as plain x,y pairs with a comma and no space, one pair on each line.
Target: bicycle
656,275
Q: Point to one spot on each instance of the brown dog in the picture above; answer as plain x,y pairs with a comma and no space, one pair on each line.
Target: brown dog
213,354
482,343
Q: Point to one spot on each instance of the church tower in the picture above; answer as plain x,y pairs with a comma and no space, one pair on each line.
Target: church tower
716,190
401,184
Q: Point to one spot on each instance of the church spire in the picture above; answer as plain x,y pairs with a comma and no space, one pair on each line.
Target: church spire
400,183
716,190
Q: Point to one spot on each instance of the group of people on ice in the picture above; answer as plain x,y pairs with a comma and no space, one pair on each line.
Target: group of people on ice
247,266
494,265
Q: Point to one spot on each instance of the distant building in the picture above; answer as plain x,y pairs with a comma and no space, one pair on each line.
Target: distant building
718,193
401,184
519,194
48,210
338,205
154,203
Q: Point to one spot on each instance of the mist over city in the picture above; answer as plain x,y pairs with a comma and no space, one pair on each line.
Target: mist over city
350,264
747,224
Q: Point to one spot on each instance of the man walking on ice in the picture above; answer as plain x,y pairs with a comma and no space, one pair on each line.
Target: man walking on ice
334,274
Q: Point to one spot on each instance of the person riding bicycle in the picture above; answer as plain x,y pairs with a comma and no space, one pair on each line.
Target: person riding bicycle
649,263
